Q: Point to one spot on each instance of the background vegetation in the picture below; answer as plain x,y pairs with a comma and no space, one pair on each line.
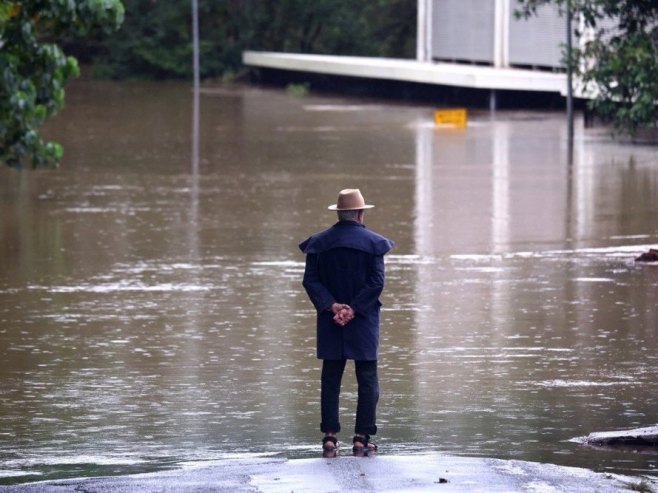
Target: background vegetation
154,41
618,61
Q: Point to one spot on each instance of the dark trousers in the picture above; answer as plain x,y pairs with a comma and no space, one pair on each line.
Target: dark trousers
368,395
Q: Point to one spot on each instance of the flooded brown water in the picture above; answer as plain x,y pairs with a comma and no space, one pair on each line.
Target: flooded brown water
151,308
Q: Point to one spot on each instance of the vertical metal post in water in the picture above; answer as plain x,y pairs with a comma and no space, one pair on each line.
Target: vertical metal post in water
195,123
569,84
195,69
195,42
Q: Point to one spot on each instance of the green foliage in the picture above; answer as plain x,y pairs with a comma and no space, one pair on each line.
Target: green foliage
155,41
298,90
618,62
34,70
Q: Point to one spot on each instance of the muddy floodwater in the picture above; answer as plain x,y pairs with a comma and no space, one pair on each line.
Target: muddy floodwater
152,313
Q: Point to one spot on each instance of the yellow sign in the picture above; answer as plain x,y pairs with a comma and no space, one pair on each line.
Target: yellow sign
454,116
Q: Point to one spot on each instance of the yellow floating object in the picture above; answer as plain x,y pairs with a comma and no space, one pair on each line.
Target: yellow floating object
453,116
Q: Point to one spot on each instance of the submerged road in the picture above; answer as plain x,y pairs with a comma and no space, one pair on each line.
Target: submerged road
437,473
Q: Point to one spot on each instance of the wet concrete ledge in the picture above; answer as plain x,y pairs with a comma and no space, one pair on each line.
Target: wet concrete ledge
642,437
437,473
450,74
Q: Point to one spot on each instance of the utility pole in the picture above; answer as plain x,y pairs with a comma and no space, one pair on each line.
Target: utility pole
195,42
195,96
569,83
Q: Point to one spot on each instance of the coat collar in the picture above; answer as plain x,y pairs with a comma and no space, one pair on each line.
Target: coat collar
349,224
347,234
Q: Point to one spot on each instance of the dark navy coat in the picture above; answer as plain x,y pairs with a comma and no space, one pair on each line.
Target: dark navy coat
345,264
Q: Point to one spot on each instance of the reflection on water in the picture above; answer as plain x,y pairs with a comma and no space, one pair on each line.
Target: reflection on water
151,311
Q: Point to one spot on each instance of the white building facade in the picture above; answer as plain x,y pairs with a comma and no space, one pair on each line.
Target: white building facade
487,32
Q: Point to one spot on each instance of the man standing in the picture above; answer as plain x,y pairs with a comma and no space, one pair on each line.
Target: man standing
344,277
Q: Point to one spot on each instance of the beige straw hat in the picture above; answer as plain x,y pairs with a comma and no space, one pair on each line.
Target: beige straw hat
350,199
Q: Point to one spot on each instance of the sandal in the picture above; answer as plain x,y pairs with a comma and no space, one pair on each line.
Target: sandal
329,444
366,445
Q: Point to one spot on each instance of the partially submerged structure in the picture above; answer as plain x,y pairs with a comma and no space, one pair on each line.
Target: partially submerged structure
471,44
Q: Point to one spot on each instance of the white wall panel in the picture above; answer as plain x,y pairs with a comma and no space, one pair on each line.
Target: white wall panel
537,41
474,31
463,30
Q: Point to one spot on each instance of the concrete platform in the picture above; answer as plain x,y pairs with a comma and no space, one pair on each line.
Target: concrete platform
416,473
448,74
647,437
